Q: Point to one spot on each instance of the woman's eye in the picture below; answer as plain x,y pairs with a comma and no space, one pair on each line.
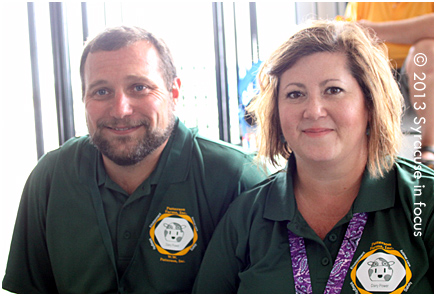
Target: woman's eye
294,95
333,90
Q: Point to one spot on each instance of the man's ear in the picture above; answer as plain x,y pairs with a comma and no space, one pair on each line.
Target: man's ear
176,90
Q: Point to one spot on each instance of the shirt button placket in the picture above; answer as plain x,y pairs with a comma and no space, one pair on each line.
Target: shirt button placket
325,261
333,237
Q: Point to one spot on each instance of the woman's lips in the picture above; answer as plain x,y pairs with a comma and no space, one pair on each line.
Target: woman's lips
317,132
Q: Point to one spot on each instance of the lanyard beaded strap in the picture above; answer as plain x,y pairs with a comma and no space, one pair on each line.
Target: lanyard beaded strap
300,266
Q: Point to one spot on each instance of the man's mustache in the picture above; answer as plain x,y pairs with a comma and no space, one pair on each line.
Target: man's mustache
122,123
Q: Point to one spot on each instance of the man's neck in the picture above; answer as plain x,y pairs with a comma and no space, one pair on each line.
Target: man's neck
130,177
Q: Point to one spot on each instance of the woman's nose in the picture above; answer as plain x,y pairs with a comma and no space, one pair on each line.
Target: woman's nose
315,107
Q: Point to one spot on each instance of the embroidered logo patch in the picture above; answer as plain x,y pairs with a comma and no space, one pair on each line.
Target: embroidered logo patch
174,234
381,270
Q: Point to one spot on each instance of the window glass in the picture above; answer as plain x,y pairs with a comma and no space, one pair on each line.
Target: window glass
276,22
18,141
46,76
232,71
75,41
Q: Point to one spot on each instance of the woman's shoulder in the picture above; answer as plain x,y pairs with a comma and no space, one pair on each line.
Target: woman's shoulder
415,184
413,166
414,171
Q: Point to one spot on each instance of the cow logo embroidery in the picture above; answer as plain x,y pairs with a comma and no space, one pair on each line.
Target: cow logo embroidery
174,234
381,270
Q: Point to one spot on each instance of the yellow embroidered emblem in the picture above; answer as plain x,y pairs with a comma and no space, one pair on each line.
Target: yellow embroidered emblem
173,233
381,270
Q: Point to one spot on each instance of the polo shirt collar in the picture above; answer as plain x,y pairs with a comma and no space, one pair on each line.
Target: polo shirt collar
374,194
176,157
179,144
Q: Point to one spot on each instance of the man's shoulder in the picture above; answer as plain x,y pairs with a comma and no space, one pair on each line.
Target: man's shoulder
255,198
69,153
62,163
224,160
223,150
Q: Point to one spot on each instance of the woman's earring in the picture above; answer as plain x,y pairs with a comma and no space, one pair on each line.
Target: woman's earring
282,139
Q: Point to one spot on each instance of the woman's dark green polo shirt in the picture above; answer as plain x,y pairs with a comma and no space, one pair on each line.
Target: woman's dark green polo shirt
249,252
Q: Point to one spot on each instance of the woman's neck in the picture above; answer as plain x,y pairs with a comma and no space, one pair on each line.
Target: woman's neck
324,196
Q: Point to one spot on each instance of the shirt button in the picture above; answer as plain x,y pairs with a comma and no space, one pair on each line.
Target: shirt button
127,235
333,237
325,261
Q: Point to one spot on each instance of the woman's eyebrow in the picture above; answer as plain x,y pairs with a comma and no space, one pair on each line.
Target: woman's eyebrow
294,84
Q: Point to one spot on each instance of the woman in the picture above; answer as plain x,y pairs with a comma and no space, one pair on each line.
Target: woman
347,215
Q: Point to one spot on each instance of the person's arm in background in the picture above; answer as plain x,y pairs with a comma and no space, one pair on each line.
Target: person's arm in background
407,31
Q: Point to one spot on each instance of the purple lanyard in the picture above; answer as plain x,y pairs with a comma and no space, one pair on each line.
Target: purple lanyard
300,266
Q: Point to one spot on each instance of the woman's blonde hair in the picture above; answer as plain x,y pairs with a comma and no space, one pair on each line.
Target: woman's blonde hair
367,62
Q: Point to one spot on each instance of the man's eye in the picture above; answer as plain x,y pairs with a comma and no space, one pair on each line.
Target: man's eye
101,92
333,90
140,87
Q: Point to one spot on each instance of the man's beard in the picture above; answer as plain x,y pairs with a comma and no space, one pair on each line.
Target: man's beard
137,151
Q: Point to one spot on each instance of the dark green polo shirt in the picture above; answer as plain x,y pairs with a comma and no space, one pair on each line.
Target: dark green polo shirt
249,252
124,212
79,232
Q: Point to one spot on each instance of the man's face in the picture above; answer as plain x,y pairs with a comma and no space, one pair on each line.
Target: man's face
129,110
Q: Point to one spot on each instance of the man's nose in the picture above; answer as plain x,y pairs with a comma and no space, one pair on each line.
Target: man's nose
121,106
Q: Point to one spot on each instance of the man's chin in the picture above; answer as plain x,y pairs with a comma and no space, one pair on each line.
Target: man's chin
123,160
124,152
127,151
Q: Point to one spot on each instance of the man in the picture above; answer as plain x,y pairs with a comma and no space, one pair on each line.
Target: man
131,207
408,30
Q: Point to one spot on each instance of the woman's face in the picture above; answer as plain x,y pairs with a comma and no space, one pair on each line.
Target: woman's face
322,110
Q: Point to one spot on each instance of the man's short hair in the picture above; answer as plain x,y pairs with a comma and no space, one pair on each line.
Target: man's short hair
116,38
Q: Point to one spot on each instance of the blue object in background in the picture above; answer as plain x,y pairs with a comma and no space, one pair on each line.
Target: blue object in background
248,88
